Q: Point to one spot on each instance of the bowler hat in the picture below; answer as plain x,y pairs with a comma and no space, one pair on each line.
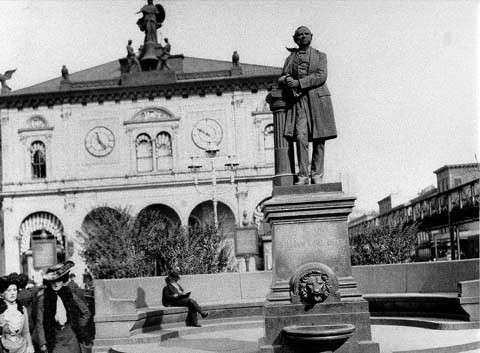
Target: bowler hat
174,275
58,271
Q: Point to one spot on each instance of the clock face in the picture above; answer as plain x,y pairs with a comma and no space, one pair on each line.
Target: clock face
207,133
99,141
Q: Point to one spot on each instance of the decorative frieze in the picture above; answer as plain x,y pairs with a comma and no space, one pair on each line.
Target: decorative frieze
118,93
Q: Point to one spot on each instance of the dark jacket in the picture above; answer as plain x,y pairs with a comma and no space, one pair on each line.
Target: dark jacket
315,87
169,290
77,315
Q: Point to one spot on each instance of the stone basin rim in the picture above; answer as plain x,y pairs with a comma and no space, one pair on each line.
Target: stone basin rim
327,332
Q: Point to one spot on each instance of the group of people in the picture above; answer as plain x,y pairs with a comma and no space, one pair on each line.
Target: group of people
51,318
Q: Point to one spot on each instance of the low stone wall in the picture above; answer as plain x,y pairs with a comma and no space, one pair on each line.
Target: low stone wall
120,303
114,296
419,277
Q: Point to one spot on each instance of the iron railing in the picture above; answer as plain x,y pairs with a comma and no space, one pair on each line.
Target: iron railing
444,209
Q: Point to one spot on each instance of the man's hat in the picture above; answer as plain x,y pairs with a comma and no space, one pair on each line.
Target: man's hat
174,275
6,281
57,271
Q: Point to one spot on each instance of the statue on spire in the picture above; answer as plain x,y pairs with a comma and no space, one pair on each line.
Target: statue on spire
152,19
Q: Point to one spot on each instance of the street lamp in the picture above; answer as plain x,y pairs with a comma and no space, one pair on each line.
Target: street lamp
194,167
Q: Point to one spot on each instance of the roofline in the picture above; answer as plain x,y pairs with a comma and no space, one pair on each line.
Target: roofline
117,93
457,166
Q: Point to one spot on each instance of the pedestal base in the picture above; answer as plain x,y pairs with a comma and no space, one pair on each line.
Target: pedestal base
312,276
279,316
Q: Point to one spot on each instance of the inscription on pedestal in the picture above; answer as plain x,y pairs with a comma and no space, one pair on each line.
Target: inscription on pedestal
297,244
324,244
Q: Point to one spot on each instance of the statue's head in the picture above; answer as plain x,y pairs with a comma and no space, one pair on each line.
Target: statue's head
302,36
150,2
129,42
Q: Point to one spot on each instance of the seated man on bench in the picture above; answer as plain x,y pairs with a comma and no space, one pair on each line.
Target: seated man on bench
173,295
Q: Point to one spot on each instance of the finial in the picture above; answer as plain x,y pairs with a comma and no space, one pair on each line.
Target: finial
65,74
235,58
3,78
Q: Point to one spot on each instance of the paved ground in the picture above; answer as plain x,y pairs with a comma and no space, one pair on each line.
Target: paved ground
245,340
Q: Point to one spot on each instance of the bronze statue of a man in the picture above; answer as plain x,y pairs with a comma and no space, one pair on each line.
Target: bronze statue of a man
309,111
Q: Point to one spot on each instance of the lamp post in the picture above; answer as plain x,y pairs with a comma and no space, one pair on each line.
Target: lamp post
194,167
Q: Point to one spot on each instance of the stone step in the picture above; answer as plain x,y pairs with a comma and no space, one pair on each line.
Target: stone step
175,330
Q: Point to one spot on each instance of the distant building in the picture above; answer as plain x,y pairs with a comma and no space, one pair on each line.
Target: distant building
105,137
448,214
453,175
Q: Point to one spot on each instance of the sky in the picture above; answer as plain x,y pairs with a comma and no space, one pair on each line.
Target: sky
403,73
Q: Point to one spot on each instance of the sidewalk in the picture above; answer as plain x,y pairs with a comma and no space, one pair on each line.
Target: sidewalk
245,340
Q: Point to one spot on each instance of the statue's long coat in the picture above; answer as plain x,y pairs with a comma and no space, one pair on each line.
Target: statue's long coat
314,84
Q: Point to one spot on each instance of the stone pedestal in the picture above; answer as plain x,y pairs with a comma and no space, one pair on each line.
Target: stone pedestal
312,277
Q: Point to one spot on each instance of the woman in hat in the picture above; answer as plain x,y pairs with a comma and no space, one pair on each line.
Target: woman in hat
61,315
173,295
13,318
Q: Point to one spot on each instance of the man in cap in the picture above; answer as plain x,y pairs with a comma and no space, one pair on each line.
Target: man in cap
173,295
309,112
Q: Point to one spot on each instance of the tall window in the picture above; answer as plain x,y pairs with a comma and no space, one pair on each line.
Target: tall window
268,137
38,160
143,146
163,149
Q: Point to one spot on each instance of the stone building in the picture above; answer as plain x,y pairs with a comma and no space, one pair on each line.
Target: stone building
452,175
104,137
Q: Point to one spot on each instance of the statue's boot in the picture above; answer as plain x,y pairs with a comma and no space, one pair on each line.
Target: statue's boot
317,179
302,180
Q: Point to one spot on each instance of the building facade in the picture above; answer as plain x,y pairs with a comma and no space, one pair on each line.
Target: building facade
106,138
452,175
448,215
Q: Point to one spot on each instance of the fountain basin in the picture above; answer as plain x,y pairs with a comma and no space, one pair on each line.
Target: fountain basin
320,338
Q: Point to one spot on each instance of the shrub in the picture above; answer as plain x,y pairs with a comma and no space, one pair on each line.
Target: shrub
385,245
118,245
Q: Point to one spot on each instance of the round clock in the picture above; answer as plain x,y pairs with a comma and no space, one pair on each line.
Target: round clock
99,141
207,133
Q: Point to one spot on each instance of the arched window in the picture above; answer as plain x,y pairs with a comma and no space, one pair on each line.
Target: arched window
163,150
268,137
164,144
143,145
38,160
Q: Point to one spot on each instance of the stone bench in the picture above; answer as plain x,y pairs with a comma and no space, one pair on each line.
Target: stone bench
469,297
125,307
153,318
433,305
